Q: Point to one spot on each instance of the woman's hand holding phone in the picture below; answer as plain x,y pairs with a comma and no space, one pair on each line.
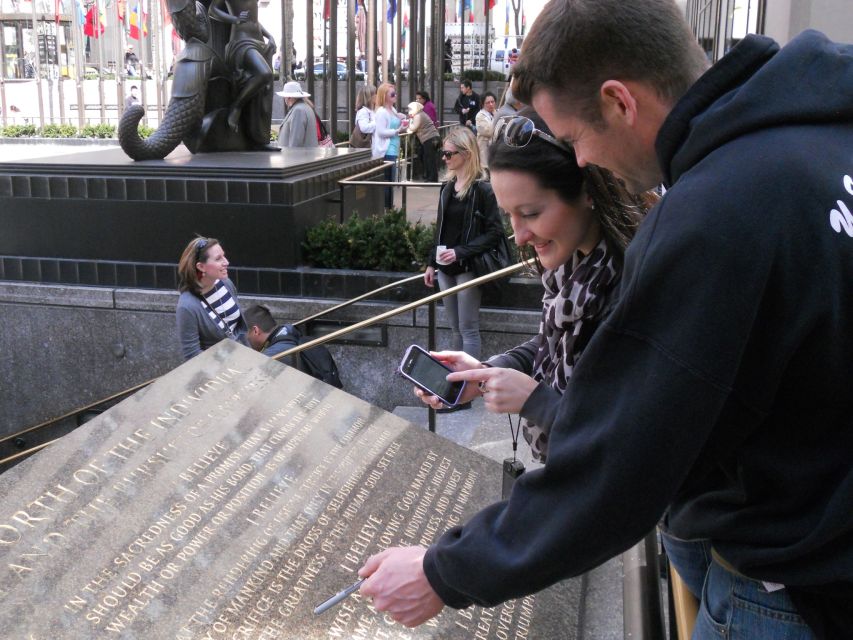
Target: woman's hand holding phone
456,361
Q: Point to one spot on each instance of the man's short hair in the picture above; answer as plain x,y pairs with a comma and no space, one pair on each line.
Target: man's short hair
258,315
575,46
466,83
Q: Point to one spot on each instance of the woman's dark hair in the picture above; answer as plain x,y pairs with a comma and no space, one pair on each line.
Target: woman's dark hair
487,94
424,95
618,212
195,251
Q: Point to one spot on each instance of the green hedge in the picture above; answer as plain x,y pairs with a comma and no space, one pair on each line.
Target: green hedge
477,75
380,243
66,131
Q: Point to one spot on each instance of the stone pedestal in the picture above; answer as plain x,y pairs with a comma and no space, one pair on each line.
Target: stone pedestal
101,205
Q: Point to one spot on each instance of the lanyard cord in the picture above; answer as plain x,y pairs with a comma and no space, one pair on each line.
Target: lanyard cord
513,430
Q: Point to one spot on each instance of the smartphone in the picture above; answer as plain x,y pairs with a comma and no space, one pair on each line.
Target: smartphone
430,375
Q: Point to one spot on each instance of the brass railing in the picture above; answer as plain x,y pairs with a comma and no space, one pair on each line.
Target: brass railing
302,347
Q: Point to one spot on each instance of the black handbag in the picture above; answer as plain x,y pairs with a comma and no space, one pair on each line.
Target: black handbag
493,259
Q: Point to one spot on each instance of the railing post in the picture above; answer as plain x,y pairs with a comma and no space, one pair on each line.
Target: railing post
642,618
431,347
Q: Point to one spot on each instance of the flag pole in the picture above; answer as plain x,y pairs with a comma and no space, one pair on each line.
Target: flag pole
156,34
79,63
96,30
120,48
486,47
37,64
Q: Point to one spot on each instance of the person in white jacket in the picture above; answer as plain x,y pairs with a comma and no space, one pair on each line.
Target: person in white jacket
485,125
386,136
365,124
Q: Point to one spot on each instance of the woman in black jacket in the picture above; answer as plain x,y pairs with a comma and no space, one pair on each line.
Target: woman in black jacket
468,224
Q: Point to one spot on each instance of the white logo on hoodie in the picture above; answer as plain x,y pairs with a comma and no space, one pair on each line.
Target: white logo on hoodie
841,218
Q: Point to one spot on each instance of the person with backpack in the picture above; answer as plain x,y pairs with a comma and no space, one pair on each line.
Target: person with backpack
271,339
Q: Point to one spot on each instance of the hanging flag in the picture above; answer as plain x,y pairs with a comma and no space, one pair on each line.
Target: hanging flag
404,30
89,27
490,4
57,11
523,22
120,8
392,11
137,17
469,7
327,11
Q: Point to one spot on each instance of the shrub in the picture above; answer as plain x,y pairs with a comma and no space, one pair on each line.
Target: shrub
145,131
19,130
477,75
98,131
372,243
59,131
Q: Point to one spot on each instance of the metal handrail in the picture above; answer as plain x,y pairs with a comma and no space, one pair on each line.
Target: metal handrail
351,301
494,275
307,345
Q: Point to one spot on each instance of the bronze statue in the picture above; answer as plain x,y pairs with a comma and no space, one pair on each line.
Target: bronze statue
222,86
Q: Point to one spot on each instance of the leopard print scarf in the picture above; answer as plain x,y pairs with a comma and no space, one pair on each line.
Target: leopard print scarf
575,296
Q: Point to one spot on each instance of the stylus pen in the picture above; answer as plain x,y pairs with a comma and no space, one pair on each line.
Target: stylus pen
335,599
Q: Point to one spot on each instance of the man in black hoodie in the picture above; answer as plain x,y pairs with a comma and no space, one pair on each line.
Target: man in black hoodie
717,391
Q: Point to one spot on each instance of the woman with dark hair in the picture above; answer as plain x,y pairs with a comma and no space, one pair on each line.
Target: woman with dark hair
429,106
485,126
578,222
208,310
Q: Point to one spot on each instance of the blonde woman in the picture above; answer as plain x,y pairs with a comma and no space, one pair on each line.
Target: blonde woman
386,135
468,224
365,125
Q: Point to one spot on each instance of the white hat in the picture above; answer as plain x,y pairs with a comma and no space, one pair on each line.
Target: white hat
292,90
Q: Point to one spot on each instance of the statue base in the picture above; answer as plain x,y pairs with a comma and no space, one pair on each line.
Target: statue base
101,205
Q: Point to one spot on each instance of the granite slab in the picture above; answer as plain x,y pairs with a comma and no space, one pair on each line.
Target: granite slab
227,500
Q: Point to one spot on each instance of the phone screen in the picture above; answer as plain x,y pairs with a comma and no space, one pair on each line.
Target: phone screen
430,374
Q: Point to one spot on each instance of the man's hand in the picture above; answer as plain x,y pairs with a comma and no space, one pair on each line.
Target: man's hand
398,585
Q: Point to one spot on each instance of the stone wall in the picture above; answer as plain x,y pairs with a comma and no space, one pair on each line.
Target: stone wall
63,347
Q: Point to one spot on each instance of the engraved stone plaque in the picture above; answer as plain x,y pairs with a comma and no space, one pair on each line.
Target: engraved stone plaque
227,500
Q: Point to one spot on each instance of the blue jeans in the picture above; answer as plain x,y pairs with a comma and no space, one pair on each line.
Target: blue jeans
691,558
734,607
390,176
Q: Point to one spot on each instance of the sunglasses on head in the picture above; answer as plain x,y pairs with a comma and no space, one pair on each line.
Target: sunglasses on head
199,248
449,154
518,131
